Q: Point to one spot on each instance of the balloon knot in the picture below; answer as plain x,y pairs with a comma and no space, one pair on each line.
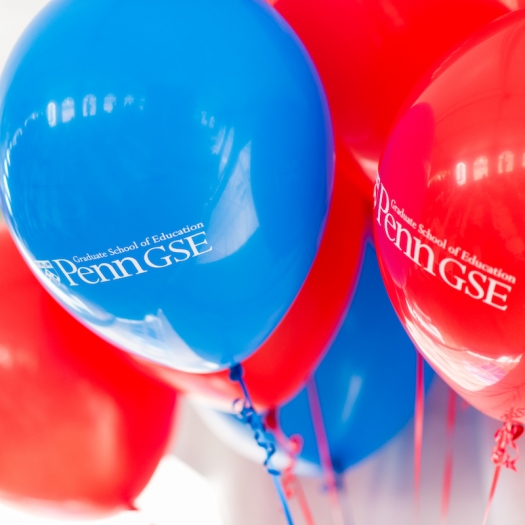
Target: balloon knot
236,372
270,420
506,437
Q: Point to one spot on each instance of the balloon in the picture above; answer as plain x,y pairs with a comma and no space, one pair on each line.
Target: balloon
81,429
371,53
366,382
449,219
279,367
168,165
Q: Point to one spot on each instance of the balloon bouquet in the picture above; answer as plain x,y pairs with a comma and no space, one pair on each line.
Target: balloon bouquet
171,183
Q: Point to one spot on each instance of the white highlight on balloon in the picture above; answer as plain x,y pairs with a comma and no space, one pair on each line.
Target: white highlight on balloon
481,168
68,110
234,219
506,162
109,102
89,106
51,113
354,387
461,173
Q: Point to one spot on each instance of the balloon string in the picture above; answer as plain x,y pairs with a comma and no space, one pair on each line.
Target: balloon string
505,437
248,415
324,452
419,414
282,498
449,457
303,503
293,447
491,495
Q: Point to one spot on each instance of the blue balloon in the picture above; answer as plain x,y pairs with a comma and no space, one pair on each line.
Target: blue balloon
167,170
366,381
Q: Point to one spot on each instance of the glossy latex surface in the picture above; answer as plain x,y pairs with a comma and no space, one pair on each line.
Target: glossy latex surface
279,367
168,166
450,219
370,54
366,385
366,381
81,429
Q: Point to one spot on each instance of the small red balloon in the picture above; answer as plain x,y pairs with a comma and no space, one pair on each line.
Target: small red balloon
279,367
81,428
449,219
371,53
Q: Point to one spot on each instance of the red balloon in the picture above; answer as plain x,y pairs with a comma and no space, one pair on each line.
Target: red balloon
450,219
370,54
81,428
278,369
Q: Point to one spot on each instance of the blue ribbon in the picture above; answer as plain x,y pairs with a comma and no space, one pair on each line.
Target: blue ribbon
248,415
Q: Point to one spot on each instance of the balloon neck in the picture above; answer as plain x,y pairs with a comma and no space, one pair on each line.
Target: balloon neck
131,506
236,372
270,419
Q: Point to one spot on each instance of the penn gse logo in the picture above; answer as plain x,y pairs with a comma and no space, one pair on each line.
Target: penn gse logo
48,270
69,272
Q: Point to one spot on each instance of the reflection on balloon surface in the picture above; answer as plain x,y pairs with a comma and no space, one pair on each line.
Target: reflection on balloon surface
455,263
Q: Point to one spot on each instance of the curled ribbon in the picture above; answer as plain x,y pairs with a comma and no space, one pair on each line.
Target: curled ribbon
293,449
246,413
506,437
292,446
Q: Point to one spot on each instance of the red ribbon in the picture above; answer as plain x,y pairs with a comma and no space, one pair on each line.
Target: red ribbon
501,457
419,414
324,452
449,457
293,447
506,437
